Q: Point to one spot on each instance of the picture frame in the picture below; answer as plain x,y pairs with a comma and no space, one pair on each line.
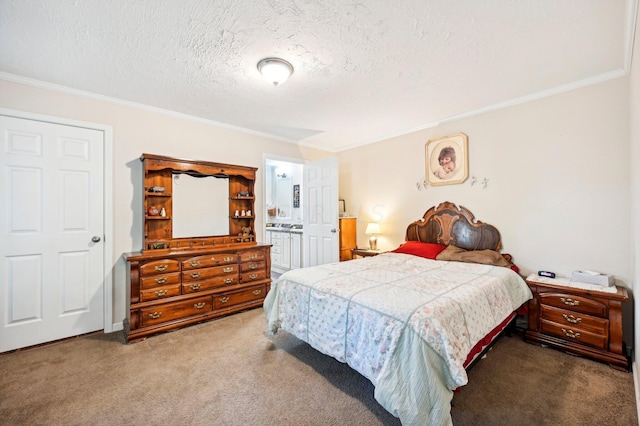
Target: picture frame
296,196
342,208
447,159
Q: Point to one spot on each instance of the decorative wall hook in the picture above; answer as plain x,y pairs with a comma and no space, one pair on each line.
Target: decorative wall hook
485,182
473,180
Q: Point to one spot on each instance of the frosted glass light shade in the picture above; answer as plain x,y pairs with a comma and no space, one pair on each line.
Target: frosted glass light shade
275,70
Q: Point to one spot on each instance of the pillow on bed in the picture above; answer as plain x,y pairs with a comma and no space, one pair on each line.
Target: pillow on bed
487,257
418,248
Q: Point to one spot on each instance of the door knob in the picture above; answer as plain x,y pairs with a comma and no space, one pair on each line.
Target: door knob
95,239
334,230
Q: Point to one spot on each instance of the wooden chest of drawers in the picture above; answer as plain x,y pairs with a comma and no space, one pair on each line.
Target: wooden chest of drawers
583,322
169,289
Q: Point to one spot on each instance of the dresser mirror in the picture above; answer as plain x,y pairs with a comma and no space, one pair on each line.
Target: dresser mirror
198,216
191,204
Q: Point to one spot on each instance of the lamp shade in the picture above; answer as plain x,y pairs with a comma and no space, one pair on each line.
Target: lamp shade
372,228
275,70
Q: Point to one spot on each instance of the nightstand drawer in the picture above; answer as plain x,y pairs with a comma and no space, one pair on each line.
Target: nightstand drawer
574,303
574,334
574,319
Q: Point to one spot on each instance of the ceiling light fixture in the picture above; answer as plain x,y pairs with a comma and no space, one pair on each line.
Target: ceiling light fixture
275,70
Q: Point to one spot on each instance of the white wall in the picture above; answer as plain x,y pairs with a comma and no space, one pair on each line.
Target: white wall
137,131
634,135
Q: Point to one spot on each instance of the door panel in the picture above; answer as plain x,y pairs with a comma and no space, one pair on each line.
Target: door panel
51,277
321,242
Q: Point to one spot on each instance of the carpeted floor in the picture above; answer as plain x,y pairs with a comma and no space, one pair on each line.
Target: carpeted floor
228,372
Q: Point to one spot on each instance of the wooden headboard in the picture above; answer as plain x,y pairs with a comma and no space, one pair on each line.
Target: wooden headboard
448,224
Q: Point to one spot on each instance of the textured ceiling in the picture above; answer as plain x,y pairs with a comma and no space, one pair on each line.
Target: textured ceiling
365,70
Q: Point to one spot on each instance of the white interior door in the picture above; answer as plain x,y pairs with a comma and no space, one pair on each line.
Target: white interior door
51,232
320,186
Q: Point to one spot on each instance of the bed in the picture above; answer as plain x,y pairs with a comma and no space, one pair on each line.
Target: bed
410,320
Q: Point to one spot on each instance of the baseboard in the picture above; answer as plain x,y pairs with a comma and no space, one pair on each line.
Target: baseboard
118,326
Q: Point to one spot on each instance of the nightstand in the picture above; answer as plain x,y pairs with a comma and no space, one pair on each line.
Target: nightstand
363,252
576,320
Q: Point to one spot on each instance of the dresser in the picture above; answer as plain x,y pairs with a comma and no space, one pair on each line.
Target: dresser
347,237
196,263
171,290
582,322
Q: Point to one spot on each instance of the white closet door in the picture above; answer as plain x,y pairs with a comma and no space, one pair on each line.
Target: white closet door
51,232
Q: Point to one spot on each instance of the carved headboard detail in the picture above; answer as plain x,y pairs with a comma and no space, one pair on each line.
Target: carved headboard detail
449,224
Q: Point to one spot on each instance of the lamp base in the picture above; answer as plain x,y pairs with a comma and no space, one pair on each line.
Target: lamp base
373,243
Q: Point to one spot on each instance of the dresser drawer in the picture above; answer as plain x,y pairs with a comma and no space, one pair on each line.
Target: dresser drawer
208,284
159,280
575,303
574,334
252,255
246,277
568,318
206,273
159,267
173,311
209,260
160,292
252,266
240,296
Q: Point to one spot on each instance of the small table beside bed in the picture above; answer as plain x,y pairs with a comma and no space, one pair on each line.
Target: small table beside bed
410,320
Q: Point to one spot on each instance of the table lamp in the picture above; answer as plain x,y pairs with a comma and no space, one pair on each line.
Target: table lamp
373,229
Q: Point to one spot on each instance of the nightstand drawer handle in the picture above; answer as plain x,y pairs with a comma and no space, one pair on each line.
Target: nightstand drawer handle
224,299
228,259
227,270
572,319
195,275
155,315
161,280
256,292
570,302
253,266
253,276
194,263
571,333
161,293
228,280
161,268
253,256
195,287
199,305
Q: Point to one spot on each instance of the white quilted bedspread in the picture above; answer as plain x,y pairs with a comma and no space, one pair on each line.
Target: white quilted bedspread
404,322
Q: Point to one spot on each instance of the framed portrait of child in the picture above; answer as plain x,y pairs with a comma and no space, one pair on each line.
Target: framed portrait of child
447,159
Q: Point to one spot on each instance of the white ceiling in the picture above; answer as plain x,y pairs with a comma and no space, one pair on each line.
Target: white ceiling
365,70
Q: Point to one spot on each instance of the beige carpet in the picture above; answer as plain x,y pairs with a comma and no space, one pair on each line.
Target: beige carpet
227,372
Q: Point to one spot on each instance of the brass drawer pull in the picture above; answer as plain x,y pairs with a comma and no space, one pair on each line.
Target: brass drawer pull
228,259
572,319
161,280
253,256
161,293
227,270
256,292
194,263
199,305
195,287
253,276
155,315
161,268
569,302
228,280
253,266
571,333
194,274
224,299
